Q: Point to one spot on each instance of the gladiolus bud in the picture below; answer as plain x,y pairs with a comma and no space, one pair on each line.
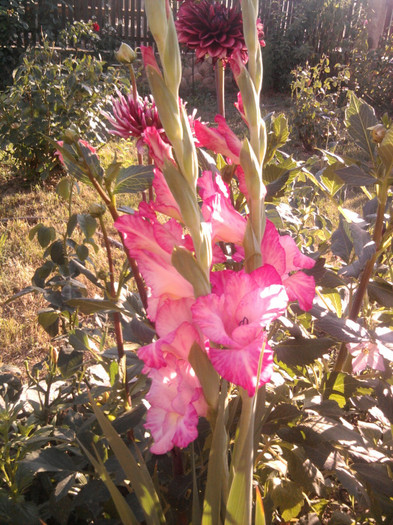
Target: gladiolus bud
125,54
71,135
96,210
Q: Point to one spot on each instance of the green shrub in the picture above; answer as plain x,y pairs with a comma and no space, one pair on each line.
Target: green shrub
48,95
12,26
372,71
315,28
318,100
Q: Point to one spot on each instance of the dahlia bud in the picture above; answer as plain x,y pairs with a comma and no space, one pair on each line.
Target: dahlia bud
378,133
71,135
96,210
125,54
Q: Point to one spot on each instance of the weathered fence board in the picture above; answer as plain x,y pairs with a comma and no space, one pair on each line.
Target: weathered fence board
129,19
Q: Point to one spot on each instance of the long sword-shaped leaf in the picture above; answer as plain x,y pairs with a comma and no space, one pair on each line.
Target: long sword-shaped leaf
259,510
126,515
137,473
217,474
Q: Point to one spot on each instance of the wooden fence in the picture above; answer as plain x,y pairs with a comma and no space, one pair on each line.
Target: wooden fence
129,20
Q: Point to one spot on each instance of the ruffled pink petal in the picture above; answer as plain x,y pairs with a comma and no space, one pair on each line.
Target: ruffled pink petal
240,365
208,313
164,202
295,260
300,287
272,251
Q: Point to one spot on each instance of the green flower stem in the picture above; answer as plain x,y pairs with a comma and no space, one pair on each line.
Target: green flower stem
116,315
133,82
344,360
133,264
239,506
220,86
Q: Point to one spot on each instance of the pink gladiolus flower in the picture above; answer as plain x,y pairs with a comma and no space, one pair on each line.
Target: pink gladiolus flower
220,140
234,318
227,224
368,354
282,253
177,401
130,118
177,335
151,244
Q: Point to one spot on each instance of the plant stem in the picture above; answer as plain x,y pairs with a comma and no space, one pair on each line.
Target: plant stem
220,87
344,360
116,315
133,264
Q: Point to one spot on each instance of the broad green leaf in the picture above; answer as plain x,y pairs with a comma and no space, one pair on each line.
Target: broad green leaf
136,472
57,252
355,176
134,179
49,320
277,135
385,151
300,352
259,510
49,459
82,252
46,235
334,301
288,497
381,292
87,224
34,230
91,306
359,116
339,386
126,515
92,161
330,180
341,243
69,362
63,188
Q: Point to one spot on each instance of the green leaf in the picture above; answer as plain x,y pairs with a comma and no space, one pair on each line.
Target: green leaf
134,179
92,161
359,116
277,135
82,252
87,224
381,292
259,510
92,306
288,497
46,235
300,352
57,253
355,176
334,301
339,386
385,150
34,230
136,472
69,362
49,460
71,224
63,188
330,180
49,320
125,513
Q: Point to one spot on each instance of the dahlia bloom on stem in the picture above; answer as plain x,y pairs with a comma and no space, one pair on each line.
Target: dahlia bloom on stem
130,118
212,29
234,318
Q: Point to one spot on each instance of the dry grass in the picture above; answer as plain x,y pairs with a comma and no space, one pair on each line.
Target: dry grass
20,209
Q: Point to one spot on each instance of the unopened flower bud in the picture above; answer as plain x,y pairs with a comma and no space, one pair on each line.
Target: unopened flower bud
97,209
378,133
125,54
71,135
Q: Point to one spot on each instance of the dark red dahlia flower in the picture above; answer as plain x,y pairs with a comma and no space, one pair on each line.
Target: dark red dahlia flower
211,28
96,27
